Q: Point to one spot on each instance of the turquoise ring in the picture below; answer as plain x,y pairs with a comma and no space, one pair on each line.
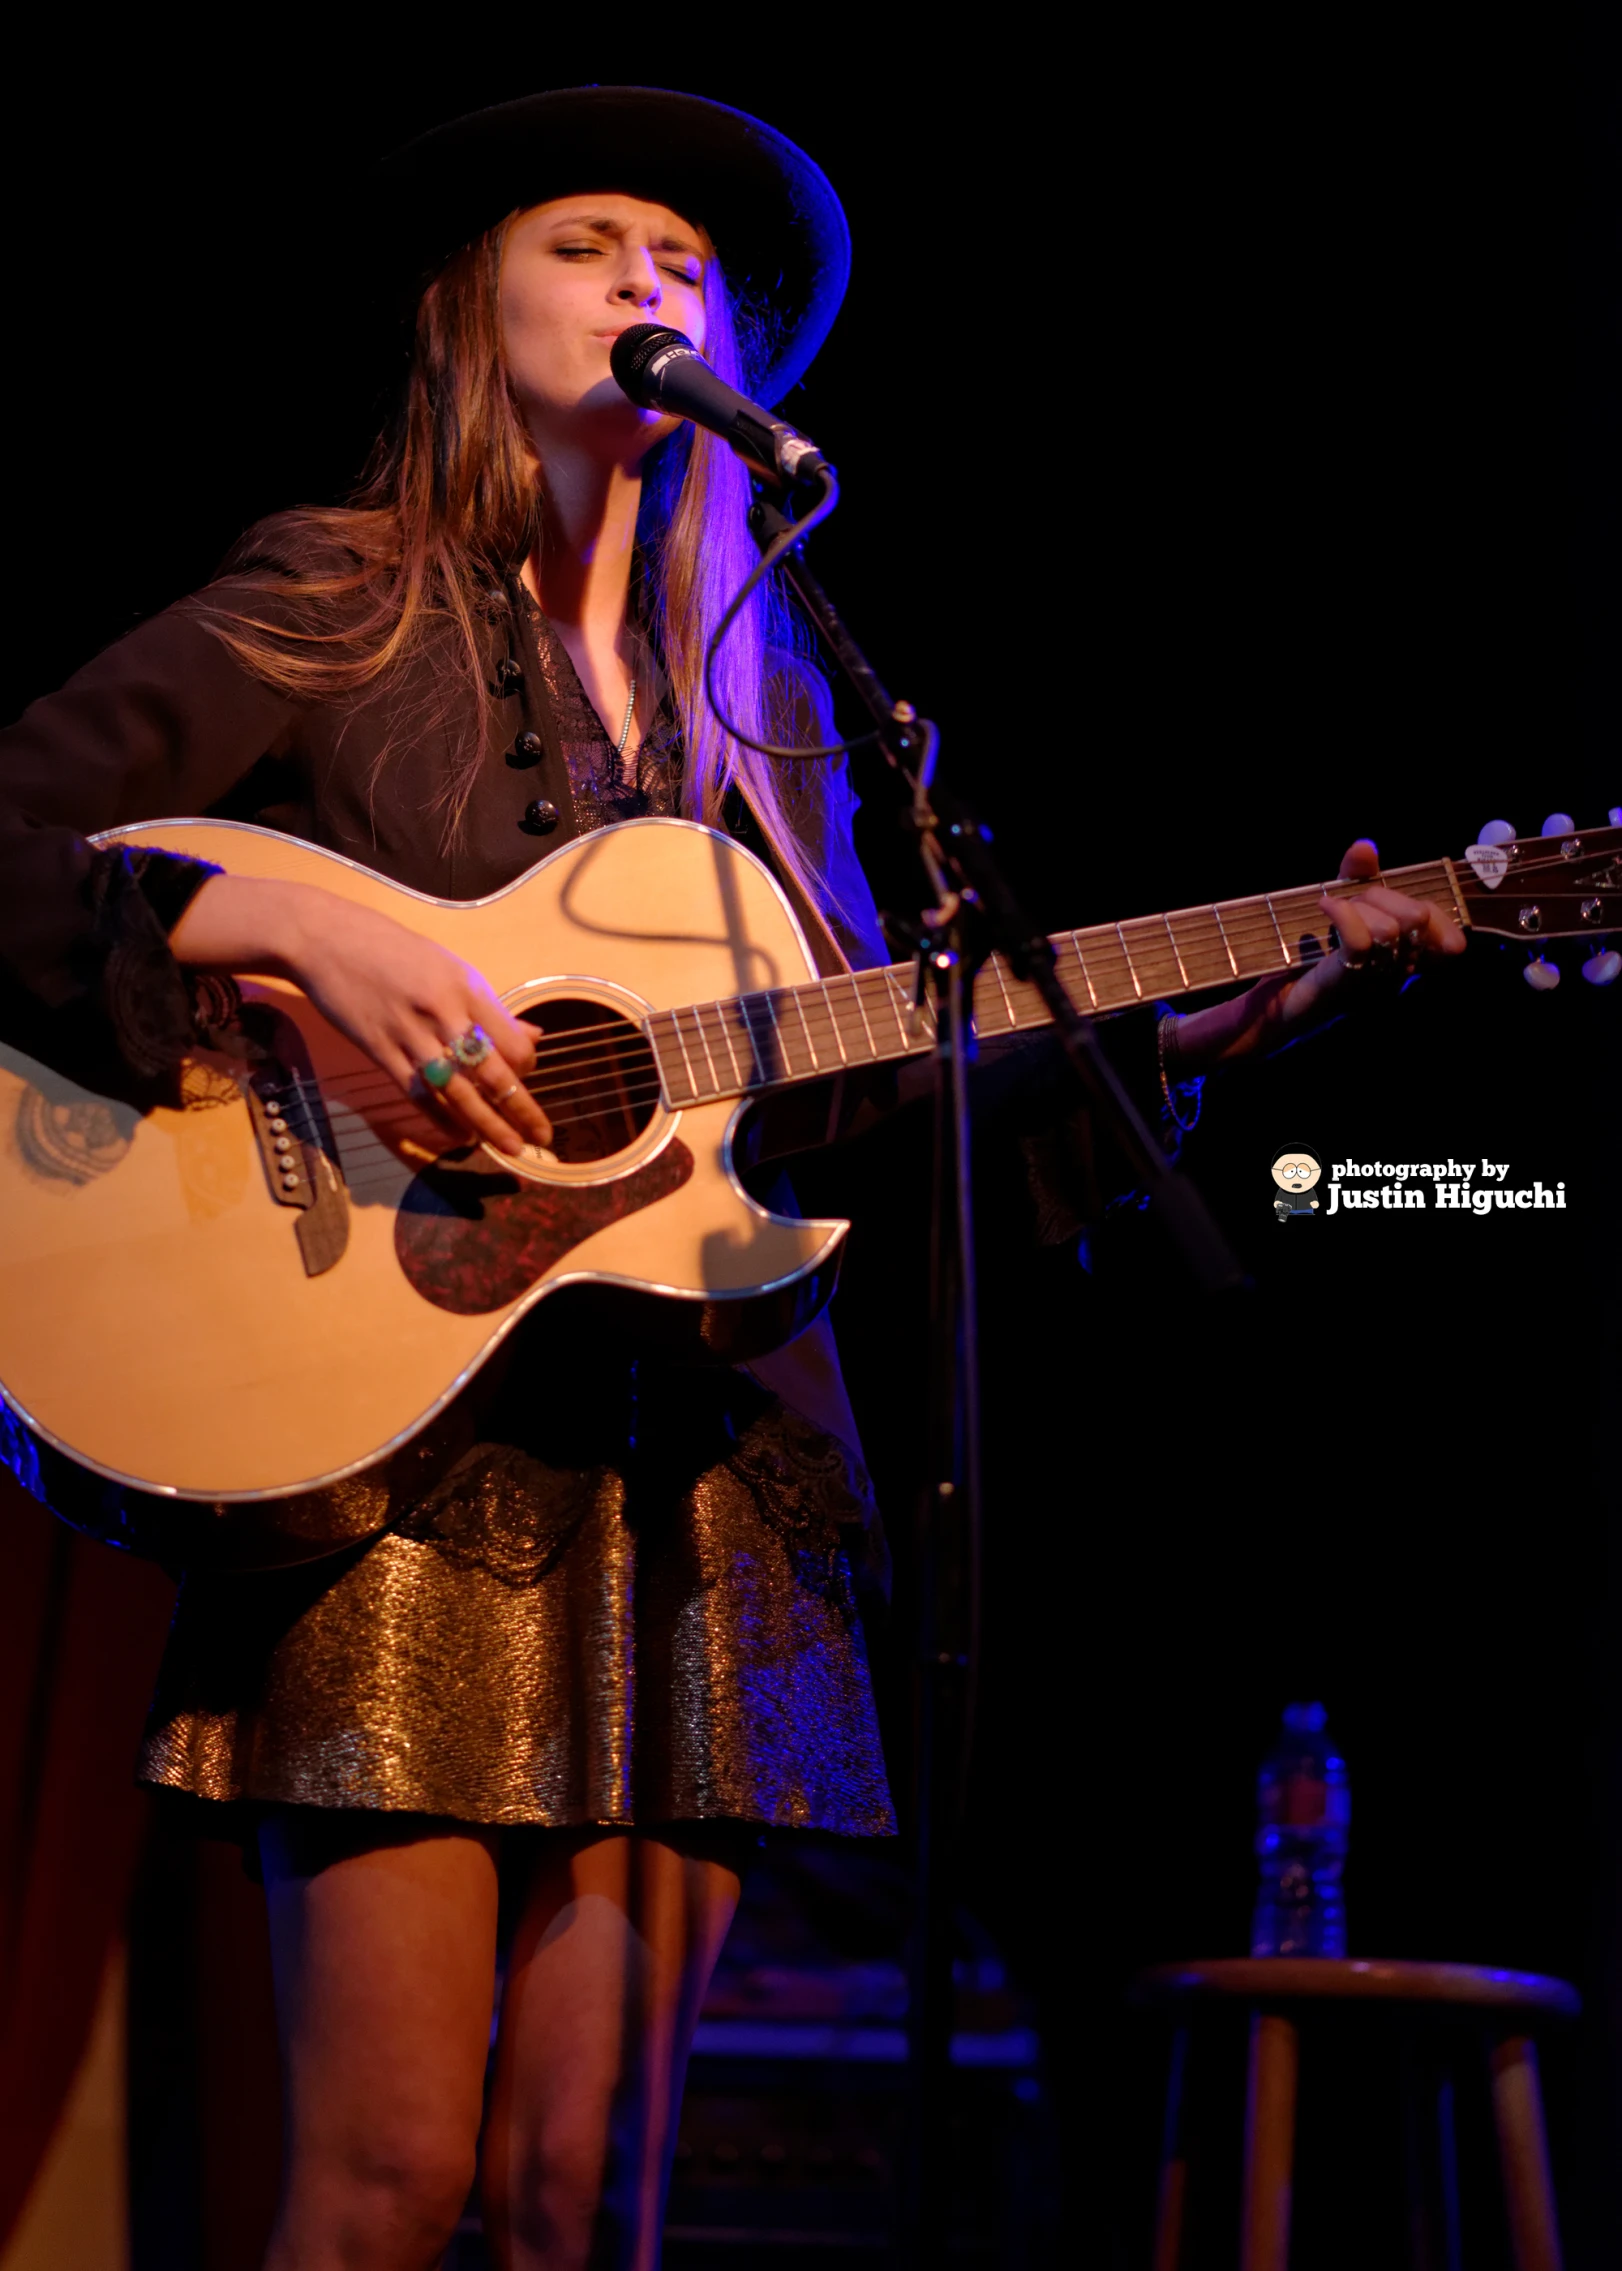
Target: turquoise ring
438,1072
472,1047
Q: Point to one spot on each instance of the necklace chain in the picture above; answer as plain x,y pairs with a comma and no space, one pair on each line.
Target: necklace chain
625,729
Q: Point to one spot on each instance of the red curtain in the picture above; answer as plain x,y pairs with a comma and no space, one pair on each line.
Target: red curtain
81,1630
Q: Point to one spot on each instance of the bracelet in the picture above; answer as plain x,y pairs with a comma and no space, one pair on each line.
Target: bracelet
1165,1042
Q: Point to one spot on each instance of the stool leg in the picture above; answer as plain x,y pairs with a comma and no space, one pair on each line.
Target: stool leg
1416,2087
1264,2234
1431,2159
1173,2161
1447,2160
1517,2104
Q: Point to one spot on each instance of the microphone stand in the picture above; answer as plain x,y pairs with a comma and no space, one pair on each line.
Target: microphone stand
974,913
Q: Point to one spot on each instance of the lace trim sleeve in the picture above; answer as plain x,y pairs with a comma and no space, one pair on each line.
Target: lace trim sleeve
148,1001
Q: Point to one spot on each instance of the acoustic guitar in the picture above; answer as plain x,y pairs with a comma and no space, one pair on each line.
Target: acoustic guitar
286,1280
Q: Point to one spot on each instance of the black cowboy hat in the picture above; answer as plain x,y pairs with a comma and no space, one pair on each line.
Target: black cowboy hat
779,230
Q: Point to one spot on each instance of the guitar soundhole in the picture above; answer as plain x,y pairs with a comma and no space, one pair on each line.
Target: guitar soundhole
595,1078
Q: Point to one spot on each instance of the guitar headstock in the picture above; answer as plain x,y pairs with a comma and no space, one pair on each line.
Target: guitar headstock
1563,883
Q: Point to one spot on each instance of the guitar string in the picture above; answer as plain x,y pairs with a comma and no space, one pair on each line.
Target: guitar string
638,1085
1259,918
358,1088
1249,921
844,1025
842,1013
631,1101
639,1080
839,1005
628,1096
591,1059
353,1143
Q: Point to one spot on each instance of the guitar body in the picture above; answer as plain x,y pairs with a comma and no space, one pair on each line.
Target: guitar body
199,1303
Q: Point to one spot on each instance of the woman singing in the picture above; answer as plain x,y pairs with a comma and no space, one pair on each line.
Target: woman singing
614,1635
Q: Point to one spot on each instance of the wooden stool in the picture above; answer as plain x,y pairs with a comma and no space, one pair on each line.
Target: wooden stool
1276,1989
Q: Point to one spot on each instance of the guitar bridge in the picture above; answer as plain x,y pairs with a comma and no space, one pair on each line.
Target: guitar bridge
295,1138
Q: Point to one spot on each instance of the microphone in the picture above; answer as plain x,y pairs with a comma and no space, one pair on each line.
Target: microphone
661,369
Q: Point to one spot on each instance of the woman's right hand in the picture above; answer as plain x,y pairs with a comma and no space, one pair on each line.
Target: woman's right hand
395,994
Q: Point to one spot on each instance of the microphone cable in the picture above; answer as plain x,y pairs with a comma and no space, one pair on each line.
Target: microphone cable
779,549
659,368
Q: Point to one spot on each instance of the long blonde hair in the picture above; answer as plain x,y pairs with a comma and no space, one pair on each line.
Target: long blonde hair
449,508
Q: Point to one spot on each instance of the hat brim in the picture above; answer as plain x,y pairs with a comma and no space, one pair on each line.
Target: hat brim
778,228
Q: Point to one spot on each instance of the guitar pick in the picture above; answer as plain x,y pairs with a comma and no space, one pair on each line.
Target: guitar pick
1491,864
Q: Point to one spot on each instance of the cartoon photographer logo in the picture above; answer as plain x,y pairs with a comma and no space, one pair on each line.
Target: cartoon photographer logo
1296,1171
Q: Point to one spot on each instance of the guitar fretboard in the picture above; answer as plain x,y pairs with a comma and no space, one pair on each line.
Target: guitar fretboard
758,1041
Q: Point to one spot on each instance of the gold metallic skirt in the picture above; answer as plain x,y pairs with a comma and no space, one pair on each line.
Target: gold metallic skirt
637,1607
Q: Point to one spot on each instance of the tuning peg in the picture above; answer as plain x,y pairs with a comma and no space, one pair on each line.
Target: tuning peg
1558,824
1541,976
1614,816
1497,832
1604,967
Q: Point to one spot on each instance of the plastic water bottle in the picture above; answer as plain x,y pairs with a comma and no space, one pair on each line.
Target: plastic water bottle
1303,1814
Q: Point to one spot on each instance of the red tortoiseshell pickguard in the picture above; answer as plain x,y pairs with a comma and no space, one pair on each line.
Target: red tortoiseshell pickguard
470,1239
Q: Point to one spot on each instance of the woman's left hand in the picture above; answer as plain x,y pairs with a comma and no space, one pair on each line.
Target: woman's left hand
1379,929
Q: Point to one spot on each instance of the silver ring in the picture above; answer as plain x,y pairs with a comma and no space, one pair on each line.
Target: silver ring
506,1092
472,1047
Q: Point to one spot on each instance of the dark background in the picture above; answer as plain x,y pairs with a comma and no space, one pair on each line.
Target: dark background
1229,433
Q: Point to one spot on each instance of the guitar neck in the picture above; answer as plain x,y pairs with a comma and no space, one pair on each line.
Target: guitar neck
755,1042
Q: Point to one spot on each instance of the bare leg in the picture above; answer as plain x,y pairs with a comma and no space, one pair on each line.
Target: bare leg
609,1965
385,1970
